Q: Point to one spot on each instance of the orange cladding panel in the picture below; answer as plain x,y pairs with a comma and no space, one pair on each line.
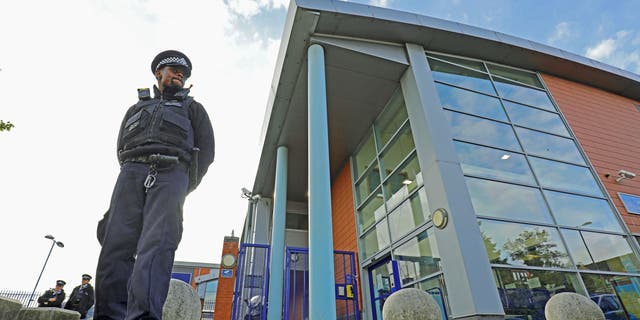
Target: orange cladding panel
607,126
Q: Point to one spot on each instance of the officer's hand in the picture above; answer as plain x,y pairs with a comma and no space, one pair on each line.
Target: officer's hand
52,299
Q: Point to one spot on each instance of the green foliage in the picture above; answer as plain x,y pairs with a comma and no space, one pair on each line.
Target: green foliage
6,126
535,249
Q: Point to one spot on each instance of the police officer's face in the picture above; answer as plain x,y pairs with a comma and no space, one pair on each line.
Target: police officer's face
171,76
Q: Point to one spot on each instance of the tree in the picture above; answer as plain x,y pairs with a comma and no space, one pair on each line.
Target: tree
534,249
6,126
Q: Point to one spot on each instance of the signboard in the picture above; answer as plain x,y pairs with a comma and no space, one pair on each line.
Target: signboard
631,202
226,273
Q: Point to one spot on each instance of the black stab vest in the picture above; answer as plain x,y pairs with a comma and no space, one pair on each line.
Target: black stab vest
159,126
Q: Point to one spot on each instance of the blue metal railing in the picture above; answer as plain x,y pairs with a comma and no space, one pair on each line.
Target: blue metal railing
252,283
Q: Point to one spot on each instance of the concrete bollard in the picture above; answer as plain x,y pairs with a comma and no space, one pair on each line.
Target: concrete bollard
572,306
409,304
182,302
9,308
47,314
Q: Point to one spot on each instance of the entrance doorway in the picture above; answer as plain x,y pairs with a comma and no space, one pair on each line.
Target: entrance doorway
383,281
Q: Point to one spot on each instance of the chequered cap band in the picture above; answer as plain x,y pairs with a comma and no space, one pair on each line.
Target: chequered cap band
174,61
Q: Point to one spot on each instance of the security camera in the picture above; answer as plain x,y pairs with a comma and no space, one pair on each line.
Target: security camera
623,174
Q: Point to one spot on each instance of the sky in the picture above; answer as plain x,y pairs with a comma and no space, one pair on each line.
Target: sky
69,70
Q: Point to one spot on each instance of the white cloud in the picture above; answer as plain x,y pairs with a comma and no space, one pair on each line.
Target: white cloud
618,51
562,31
250,8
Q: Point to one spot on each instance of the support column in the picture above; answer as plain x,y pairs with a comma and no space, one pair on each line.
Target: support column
471,289
322,297
276,268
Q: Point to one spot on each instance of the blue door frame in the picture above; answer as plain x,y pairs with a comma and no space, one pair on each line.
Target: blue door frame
379,296
296,300
252,280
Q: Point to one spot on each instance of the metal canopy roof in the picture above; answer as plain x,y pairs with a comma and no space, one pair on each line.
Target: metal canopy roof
358,85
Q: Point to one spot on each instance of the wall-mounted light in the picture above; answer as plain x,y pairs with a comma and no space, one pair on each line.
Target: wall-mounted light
505,157
407,182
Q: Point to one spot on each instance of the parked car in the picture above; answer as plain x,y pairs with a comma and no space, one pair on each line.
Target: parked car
610,306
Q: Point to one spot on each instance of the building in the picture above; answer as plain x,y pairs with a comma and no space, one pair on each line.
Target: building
203,277
379,120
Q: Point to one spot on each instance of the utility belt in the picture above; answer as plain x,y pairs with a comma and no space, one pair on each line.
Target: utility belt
160,161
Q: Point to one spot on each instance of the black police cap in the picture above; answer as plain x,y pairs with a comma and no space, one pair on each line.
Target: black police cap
86,277
171,58
61,282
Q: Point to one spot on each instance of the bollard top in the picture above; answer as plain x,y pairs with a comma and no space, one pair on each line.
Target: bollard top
411,303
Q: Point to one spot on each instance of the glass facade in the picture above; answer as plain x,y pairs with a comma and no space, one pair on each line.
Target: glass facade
547,224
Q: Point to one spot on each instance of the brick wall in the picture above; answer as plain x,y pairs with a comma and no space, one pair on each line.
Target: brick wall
343,220
607,127
224,295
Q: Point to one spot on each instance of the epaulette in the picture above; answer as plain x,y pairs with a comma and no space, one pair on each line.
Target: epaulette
144,93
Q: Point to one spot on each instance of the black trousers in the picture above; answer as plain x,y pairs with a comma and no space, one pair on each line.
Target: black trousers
140,235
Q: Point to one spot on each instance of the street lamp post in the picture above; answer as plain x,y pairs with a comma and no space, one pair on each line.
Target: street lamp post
54,243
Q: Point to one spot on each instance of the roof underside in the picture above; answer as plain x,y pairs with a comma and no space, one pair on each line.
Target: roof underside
359,85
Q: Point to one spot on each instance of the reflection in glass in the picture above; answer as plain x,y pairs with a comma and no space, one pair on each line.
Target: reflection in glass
549,146
535,118
524,293
617,296
482,131
504,200
517,75
409,215
402,182
493,163
521,244
523,94
398,150
599,251
372,211
368,183
578,211
391,119
382,281
564,176
477,65
470,102
364,156
461,77
376,239
417,257
438,291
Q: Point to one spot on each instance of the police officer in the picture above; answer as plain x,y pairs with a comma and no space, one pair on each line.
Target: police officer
53,298
165,146
81,298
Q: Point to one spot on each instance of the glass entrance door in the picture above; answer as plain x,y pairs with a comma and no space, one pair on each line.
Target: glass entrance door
383,280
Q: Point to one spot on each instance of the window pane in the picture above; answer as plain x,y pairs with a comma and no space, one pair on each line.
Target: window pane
578,211
517,75
463,62
564,176
368,183
461,77
391,119
436,288
521,244
402,182
409,215
610,252
617,296
376,239
577,249
535,118
364,157
398,150
524,293
297,221
493,163
371,212
549,146
483,131
470,102
504,200
523,94
417,257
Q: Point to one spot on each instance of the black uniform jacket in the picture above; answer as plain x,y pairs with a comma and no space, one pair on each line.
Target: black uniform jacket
43,301
81,299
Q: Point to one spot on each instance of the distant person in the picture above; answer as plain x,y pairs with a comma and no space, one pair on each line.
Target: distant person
81,298
165,146
53,297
